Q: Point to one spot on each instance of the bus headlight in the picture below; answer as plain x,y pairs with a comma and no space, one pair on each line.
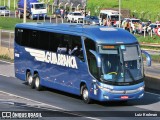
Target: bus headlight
105,89
141,88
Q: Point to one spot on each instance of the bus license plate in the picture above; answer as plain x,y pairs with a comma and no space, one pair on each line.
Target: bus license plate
124,97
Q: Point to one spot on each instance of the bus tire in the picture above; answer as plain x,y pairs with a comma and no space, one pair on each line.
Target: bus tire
29,80
85,94
37,82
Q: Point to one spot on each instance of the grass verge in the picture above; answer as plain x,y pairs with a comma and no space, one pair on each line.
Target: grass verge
6,58
155,58
148,39
150,47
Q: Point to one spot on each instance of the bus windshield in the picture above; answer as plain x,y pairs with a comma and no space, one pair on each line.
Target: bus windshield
40,6
121,64
115,17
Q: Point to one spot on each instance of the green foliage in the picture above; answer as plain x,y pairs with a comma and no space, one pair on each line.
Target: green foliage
5,57
150,47
155,58
148,39
9,23
144,9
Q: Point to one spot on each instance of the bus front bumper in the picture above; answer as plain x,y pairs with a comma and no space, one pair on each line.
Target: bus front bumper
120,93
39,15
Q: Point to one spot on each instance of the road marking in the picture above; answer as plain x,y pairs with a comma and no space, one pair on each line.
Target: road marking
6,62
5,75
52,106
153,93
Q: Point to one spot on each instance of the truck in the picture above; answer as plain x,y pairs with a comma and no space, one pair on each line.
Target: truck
111,15
34,9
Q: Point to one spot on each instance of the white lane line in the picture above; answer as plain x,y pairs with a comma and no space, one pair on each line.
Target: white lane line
52,106
6,62
5,75
153,93
10,94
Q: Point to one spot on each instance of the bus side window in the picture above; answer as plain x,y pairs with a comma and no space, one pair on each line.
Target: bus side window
75,48
22,37
18,36
43,41
62,49
54,42
63,45
92,64
33,39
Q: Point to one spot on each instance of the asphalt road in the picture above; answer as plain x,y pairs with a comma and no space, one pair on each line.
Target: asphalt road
29,99
153,71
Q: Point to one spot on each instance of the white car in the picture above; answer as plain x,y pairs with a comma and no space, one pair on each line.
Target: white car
133,21
152,27
75,17
4,11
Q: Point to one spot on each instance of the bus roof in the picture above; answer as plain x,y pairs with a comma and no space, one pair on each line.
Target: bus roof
100,34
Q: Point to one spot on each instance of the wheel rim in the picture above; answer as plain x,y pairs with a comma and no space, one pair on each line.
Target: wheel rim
37,82
85,94
30,80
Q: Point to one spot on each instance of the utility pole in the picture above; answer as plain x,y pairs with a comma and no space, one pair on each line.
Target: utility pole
4,3
119,13
24,15
14,4
9,4
86,8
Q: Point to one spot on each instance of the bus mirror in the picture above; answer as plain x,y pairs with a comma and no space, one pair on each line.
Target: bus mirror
98,58
148,58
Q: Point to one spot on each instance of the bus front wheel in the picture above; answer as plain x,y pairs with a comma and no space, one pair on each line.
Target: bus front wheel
85,94
29,80
37,82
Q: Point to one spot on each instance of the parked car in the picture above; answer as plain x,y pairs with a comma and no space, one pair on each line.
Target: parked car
4,11
134,21
75,17
91,20
152,27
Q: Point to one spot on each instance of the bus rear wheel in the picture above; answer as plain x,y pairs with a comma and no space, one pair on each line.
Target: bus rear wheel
85,94
37,82
29,80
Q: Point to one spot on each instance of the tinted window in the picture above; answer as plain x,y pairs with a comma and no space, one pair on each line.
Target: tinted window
18,35
77,14
90,45
94,17
55,42
43,40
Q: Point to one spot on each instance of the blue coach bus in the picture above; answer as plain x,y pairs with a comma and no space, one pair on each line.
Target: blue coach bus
95,62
